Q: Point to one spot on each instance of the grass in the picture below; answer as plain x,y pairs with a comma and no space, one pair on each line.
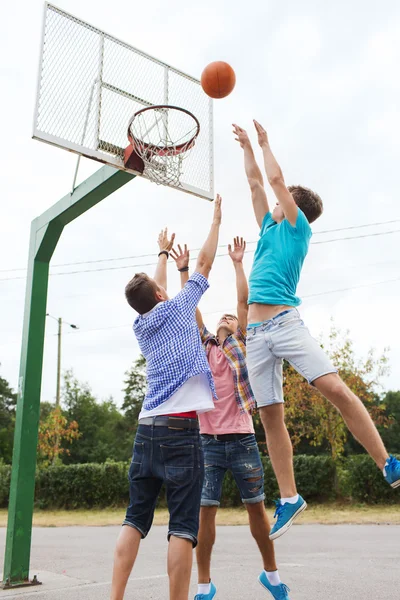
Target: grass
326,514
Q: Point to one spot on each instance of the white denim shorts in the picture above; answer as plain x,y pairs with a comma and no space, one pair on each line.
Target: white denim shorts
285,337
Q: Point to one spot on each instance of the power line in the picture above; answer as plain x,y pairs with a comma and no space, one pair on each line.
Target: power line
353,287
328,292
137,256
357,237
152,264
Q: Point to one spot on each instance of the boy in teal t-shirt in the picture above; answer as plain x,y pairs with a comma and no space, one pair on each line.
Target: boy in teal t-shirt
276,331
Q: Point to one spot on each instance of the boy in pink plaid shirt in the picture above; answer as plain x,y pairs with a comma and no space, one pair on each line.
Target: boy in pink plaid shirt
227,434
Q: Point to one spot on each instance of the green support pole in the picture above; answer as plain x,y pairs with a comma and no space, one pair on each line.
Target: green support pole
45,233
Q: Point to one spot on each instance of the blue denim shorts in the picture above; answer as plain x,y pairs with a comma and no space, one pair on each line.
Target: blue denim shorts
173,457
242,458
269,343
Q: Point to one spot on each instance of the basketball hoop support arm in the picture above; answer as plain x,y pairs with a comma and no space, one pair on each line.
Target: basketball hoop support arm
45,233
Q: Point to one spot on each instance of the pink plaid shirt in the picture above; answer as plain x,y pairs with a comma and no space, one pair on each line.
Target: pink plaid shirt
234,348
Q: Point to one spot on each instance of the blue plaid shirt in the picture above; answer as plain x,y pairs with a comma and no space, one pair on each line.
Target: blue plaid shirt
170,341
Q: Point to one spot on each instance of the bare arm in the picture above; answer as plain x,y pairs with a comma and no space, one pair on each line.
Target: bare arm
181,259
165,245
239,247
275,177
254,176
206,255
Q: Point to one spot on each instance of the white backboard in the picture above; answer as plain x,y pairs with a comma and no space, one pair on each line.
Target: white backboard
90,84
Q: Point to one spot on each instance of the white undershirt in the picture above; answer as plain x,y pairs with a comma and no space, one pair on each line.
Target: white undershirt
194,394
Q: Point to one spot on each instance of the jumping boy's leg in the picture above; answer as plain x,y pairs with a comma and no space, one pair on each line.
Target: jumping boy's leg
124,559
354,414
360,424
180,559
280,448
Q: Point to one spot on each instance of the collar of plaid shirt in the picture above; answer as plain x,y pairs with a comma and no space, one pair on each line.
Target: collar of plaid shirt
234,348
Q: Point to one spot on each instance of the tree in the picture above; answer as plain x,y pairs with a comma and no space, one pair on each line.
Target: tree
8,401
134,391
309,416
391,433
54,434
104,434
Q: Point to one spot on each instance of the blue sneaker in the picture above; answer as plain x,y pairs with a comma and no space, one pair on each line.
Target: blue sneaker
208,596
392,471
279,592
285,515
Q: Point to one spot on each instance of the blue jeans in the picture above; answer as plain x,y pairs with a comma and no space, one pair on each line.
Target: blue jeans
173,457
242,458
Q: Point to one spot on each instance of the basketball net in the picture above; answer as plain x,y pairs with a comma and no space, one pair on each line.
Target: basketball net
162,136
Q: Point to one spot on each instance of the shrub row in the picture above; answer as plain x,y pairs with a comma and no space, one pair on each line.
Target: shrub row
105,485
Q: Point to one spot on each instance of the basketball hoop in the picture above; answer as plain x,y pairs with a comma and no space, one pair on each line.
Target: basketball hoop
162,137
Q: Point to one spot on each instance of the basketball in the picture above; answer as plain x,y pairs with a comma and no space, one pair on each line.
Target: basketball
218,79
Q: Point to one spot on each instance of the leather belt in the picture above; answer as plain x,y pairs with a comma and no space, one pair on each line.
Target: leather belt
174,422
226,437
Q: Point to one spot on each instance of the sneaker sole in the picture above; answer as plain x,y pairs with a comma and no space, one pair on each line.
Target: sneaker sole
287,525
396,484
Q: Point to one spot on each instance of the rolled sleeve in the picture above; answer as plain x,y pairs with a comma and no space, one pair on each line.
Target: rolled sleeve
190,295
205,335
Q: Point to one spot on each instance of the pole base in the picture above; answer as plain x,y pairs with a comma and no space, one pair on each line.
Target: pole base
8,585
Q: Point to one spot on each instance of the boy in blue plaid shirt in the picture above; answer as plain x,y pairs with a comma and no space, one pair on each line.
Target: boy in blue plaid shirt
167,446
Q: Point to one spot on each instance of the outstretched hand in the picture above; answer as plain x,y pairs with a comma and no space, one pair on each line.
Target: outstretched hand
163,242
241,135
239,247
182,257
217,210
261,133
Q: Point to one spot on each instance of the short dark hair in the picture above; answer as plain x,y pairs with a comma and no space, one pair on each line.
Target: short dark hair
308,201
140,293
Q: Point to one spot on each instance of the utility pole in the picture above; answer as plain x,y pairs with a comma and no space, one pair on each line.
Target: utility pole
58,390
59,334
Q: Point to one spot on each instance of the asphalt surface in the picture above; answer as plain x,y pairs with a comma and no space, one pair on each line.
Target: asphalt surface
335,562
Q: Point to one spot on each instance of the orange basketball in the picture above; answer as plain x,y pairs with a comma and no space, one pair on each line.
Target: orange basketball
218,79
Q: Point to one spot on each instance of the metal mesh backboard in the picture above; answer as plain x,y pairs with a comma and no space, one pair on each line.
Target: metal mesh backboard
90,85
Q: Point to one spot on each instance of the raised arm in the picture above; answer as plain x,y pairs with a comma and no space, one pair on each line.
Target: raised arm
236,254
275,177
181,258
254,176
206,255
165,245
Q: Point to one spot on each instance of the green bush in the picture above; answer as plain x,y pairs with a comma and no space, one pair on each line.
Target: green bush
5,476
365,483
103,485
82,486
315,477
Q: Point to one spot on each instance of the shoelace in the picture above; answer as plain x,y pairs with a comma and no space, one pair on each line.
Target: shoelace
392,463
278,509
285,588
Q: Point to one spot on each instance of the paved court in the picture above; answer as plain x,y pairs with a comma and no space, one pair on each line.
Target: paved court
342,562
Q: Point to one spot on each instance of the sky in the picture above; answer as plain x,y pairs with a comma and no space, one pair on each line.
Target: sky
322,79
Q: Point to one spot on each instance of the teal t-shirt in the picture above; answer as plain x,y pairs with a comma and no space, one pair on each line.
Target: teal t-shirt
278,260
